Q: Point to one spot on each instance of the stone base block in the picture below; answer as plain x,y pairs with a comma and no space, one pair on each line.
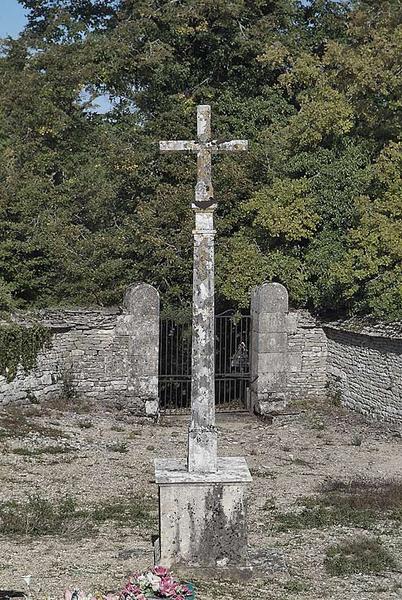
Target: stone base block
271,404
202,516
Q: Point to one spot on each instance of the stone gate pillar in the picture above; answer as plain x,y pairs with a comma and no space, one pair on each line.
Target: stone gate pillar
270,324
140,324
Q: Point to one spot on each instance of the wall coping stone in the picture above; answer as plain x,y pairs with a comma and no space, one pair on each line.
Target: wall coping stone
305,320
62,319
366,326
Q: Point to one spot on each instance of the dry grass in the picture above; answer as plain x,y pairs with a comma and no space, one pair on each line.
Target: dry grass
362,555
38,516
359,502
15,424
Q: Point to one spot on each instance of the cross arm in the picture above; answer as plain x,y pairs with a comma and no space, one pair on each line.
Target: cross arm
178,146
232,146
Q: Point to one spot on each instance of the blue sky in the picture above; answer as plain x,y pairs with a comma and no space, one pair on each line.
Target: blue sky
12,21
12,18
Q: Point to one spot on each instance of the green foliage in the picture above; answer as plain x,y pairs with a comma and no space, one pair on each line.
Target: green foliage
21,345
87,204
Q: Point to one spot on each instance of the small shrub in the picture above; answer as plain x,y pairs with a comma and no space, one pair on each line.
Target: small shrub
85,424
118,447
362,555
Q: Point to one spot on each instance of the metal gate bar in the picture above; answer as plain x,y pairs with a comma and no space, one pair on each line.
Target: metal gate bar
174,366
232,369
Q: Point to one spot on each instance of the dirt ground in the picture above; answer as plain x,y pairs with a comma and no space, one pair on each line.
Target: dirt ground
95,458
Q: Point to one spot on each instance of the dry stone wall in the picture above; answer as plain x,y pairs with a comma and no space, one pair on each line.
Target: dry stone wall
365,368
109,355
307,358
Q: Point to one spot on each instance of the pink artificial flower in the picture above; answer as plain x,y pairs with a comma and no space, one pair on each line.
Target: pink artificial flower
167,587
160,571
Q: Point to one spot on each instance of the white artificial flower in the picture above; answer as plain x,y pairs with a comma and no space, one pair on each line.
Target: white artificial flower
154,580
27,579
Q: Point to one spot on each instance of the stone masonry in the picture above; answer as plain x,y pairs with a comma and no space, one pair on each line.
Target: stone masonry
93,355
307,357
365,367
106,354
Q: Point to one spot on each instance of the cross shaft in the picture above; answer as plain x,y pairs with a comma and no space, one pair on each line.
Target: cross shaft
202,439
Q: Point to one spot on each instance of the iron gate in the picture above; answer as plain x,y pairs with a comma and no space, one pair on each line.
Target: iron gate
232,366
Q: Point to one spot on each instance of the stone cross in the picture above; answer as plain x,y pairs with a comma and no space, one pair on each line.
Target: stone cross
202,440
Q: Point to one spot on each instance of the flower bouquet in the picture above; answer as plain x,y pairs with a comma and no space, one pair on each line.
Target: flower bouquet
156,583
153,584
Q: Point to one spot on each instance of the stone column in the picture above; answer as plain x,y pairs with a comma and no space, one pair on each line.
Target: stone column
141,326
269,348
202,451
202,518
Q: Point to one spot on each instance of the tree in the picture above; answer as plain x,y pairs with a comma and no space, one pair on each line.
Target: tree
315,88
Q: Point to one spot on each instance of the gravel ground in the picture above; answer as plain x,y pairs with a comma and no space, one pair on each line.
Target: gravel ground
97,457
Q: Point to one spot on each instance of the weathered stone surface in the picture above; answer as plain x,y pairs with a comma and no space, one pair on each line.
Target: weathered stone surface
202,523
230,469
307,357
269,347
202,442
271,298
203,516
110,355
365,370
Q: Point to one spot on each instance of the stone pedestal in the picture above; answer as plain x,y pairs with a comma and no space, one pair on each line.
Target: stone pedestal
202,516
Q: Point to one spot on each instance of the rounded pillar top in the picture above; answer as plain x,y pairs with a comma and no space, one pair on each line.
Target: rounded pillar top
141,299
270,297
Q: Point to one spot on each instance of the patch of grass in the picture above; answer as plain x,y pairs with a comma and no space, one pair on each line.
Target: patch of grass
362,555
39,516
14,424
358,503
42,450
365,494
68,403
127,511
295,585
117,447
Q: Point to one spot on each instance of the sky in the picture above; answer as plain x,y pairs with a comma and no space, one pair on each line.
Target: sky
12,18
12,21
